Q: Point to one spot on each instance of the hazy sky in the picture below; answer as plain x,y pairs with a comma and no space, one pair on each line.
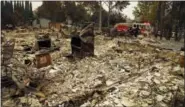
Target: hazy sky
127,11
36,4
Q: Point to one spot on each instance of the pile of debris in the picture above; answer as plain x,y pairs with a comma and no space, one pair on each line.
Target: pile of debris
83,44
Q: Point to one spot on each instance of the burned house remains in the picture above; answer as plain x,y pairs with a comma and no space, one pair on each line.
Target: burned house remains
82,44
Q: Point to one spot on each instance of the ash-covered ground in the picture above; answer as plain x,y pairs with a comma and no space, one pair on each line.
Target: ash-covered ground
125,72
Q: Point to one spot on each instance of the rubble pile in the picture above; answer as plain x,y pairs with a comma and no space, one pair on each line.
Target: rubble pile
82,44
131,73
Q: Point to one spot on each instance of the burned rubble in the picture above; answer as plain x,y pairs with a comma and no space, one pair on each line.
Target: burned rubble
122,72
82,44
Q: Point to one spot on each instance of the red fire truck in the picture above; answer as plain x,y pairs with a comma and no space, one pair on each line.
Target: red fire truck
123,28
145,28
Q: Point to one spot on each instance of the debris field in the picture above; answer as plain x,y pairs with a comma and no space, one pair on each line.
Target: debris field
124,72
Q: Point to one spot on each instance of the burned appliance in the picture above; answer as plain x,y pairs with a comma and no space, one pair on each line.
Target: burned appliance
82,44
43,42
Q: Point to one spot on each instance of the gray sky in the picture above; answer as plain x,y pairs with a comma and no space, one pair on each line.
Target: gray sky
35,4
127,11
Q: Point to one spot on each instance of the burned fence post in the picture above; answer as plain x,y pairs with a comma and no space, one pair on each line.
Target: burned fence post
83,44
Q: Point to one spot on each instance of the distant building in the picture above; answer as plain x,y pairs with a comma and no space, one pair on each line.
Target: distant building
41,23
56,25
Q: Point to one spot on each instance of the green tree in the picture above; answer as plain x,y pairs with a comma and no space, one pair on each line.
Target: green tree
116,17
79,12
75,11
18,13
178,13
95,17
26,11
2,17
166,16
15,5
59,11
30,11
145,11
92,7
11,7
49,10
18,4
118,5
6,13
